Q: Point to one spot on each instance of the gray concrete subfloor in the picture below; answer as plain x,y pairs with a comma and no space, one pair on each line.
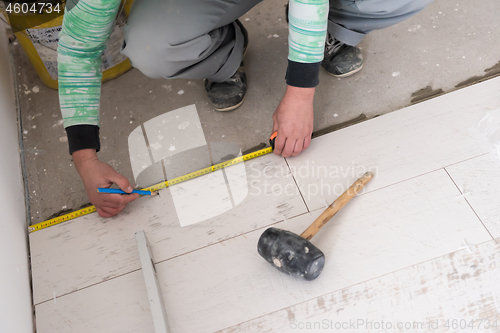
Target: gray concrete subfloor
444,45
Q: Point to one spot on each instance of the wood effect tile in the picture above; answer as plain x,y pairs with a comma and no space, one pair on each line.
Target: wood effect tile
479,181
90,249
380,232
457,292
396,146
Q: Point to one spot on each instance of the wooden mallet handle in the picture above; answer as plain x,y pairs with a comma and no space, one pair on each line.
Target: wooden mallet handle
336,206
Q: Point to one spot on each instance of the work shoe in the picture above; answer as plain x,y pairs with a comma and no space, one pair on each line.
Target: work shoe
340,59
229,95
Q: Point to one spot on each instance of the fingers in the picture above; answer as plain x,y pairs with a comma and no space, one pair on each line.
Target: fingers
106,212
121,181
113,204
114,200
289,147
112,211
307,142
109,209
97,174
299,144
279,144
128,198
109,212
118,201
293,120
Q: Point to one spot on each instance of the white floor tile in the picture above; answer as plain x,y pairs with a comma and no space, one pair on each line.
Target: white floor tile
213,278
396,146
377,233
90,249
453,293
117,306
479,181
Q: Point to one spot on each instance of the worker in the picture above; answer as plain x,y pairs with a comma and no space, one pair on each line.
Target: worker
194,39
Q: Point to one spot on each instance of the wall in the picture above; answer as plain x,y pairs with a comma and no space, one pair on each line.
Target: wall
16,312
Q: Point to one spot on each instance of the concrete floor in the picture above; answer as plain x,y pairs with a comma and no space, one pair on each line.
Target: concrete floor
447,44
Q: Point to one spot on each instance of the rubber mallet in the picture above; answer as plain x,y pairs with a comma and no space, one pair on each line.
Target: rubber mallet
296,255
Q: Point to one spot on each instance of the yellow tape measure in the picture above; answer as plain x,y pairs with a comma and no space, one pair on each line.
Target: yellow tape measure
91,209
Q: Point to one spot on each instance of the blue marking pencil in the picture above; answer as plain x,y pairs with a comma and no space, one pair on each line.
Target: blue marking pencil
118,191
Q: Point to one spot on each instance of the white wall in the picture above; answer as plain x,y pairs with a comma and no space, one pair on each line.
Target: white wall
16,312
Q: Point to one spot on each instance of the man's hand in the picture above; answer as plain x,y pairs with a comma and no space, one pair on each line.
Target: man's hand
293,120
94,174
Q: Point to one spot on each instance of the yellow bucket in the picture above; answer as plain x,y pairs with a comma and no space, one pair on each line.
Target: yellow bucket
40,44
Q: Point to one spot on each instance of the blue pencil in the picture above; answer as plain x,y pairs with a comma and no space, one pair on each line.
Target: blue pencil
115,190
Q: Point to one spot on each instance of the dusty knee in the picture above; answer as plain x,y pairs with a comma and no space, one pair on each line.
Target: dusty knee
157,45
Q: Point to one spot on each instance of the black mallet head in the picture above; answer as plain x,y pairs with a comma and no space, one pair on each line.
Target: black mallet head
294,254
290,253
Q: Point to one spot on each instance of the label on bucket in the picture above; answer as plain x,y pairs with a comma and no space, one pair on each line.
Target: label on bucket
111,55
45,42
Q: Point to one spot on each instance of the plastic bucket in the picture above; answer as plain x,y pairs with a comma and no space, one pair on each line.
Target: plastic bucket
40,44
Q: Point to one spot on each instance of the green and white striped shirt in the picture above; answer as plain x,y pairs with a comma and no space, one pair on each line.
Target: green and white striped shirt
87,26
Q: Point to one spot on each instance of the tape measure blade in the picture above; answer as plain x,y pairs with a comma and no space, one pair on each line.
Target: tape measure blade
91,209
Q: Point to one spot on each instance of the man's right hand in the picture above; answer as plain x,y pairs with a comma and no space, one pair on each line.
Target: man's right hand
94,174
293,120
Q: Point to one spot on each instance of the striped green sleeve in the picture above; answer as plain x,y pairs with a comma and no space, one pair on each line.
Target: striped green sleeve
85,31
308,20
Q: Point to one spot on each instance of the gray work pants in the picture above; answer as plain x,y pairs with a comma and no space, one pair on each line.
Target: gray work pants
196,39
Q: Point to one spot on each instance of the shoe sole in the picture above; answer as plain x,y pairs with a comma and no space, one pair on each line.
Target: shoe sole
231,108
346,74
